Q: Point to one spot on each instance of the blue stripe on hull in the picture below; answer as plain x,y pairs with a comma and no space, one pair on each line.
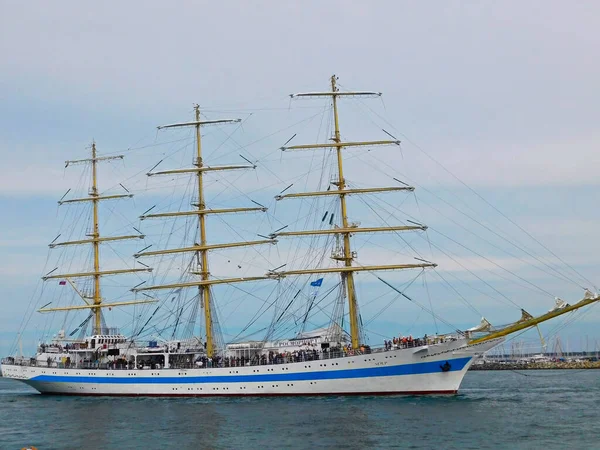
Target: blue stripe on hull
383,371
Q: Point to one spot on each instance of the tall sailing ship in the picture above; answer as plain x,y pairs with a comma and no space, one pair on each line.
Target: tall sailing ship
322,361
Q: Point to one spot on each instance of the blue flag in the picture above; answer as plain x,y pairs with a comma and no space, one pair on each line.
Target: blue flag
318,282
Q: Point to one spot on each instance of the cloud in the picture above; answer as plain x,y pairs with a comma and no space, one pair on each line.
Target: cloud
34,181
513,101
557,162
29,175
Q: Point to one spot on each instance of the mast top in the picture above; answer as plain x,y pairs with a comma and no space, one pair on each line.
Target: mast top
335,92
198,122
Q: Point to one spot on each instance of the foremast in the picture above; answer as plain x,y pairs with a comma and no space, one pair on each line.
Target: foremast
96,304
205,282
347,256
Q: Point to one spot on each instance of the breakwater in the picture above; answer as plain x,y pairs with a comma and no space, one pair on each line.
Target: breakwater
541,365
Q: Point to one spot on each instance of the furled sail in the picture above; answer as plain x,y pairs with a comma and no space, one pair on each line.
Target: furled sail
525,316
484,325
560,304
589,295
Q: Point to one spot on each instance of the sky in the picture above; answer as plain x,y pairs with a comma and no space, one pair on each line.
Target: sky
492,100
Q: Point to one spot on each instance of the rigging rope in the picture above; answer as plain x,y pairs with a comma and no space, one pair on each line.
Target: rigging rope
478,195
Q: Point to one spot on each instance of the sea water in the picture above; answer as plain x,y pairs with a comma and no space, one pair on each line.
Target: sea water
494,410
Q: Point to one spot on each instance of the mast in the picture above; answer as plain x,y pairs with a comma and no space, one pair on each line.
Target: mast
96,235
93,195
201,211
204,290
347,256
346,276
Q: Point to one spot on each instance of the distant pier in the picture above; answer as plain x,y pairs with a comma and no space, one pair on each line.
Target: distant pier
534,365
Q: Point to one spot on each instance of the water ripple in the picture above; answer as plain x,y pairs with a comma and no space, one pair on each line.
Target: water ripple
494,410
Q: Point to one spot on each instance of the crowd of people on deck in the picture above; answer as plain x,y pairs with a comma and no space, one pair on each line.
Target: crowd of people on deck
274,357
58,347
262,360
406,342
410,342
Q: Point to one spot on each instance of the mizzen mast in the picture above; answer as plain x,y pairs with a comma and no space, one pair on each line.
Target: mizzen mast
93,196
205,282
347,256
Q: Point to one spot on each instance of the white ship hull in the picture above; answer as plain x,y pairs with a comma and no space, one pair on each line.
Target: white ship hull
437,369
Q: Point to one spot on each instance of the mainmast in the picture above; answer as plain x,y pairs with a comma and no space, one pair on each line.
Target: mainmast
347,256
346,248
205,282
93,196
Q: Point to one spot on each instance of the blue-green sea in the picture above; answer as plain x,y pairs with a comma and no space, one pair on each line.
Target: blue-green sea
495,410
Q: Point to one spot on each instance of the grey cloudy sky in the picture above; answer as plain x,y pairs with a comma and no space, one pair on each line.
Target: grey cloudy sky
503,94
